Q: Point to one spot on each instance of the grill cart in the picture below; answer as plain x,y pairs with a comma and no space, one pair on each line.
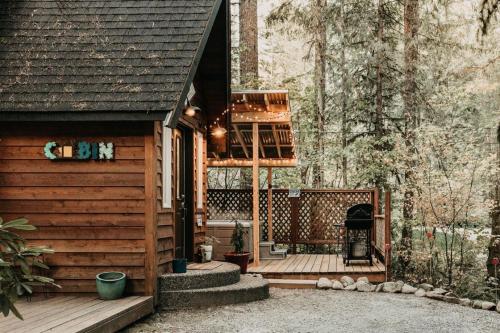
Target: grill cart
358,228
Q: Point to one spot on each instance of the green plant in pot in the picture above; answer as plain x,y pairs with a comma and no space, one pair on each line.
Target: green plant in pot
207,248
238,256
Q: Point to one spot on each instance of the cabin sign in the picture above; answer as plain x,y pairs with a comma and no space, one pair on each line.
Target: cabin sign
81,150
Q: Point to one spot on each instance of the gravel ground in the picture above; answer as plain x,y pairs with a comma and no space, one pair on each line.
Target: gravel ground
326,311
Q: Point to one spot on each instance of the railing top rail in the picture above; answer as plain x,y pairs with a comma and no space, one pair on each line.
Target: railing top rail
302,190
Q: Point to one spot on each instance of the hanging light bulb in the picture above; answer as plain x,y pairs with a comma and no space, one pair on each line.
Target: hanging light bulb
191,110
219,131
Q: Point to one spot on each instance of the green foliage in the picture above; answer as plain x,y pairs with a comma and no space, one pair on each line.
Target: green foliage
237,240
457,97
16,265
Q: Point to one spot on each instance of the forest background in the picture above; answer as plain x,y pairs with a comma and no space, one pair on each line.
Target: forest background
403,95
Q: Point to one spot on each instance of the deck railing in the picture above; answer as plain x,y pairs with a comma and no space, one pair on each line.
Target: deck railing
314,218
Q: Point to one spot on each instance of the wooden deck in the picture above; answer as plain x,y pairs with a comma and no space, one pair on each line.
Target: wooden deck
71,314
314,266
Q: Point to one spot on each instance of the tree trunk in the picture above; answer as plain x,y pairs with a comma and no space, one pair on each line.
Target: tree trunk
494,246
249,50
344,84
379,180
249,61
319,8
411,25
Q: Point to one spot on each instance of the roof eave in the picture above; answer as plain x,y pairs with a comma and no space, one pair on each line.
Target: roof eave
83,116
173,118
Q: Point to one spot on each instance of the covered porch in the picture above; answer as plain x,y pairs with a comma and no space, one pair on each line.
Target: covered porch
306,224
309,224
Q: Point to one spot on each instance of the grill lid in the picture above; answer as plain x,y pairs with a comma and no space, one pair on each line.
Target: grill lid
360,212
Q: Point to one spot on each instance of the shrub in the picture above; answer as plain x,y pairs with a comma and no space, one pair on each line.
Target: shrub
237,240
16,265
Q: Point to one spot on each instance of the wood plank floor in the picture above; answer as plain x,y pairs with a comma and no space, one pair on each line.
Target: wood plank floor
71,314
313,266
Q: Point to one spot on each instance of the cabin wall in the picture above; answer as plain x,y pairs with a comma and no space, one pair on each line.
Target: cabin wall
200,231
92,213
166,216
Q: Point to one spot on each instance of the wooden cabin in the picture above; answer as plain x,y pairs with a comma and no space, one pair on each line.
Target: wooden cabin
105,109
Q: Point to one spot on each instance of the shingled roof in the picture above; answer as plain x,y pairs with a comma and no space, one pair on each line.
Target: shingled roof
81,58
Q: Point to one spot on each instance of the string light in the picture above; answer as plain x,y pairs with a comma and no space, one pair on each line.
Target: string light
219,131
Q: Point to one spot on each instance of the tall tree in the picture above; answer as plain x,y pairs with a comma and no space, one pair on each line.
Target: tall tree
411,25
249,44
494,245
249,60
318,10
344,86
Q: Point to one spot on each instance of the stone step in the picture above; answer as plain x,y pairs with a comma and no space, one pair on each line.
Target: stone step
225,274
248,289
267,251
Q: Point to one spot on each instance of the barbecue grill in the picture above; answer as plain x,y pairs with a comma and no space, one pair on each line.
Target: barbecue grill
358,228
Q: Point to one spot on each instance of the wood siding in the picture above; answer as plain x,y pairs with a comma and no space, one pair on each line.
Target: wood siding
165,216
92,213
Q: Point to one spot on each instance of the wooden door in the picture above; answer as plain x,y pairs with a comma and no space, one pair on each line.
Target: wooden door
183,140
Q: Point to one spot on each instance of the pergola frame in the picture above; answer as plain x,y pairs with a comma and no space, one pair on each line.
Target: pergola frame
267,114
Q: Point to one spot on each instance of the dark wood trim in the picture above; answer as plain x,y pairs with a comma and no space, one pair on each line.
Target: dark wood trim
174,118
150,226
387,212
137,115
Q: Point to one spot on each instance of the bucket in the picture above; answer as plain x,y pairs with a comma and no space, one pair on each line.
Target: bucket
179,265
110,285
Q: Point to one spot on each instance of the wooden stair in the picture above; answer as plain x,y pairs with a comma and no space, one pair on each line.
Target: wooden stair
269,252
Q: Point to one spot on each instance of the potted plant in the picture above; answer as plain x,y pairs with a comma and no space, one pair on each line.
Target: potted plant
207,248
238,256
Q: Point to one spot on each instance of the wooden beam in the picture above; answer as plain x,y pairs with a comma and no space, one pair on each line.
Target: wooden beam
241,140
260,117
387,234
249,107
266,101
269,203
261,147
277,140
245,163
255,186
150,224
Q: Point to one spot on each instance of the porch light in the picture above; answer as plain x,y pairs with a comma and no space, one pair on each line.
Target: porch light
219,131
191,110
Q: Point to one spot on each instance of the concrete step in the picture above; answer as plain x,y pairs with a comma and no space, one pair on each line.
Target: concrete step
267,251
225,274
248,289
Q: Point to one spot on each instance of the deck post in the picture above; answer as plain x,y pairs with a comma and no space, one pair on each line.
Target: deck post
387,231
376,212
269,204
255,186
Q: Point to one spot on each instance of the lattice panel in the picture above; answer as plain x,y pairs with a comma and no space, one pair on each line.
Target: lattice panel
237,204
282,209
322,214
263,214
380,234
229,204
